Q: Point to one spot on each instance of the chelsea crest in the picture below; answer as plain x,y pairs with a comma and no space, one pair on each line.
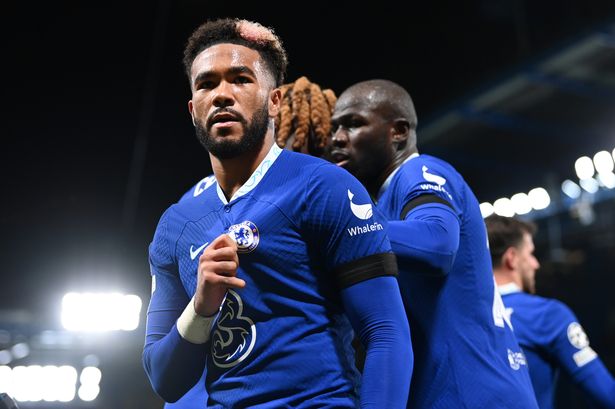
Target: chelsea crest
246,235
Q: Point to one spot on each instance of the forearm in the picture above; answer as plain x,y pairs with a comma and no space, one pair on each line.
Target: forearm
172,363
427,241
377,313
599,386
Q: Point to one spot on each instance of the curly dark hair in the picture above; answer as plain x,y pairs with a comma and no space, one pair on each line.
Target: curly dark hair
242,32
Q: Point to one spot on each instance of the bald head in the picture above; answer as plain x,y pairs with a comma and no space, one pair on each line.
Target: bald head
389,98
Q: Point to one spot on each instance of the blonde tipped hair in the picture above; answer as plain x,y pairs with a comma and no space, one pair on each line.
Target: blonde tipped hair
305,113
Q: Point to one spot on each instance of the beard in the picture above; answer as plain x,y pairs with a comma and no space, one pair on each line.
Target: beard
253,137
528,284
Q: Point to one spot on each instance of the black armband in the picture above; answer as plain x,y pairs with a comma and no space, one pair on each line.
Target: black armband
376,265
421,200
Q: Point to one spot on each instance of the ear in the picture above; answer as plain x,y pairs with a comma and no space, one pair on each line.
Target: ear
191,111
400,131
509,258
275,102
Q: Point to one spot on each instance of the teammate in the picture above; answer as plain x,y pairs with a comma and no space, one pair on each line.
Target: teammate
260,275
466,355
547,330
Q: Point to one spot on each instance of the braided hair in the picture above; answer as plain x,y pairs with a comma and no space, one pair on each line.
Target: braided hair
304,121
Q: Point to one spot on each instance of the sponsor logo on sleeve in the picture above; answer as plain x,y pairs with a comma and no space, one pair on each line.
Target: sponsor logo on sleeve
363,212
436,182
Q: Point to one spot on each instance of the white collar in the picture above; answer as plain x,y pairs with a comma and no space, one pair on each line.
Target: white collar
256,176
508,288
388,180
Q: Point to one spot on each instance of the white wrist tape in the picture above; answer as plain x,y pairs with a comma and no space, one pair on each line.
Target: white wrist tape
193,327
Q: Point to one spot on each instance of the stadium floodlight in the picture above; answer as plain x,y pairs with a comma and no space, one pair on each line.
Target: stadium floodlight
589,185
521,203
607,179
100,311
35,383
486,209
571,189
539,198
503,207
603,162
584,167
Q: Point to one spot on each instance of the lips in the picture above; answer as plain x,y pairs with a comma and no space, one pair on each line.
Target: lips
223,118
339,157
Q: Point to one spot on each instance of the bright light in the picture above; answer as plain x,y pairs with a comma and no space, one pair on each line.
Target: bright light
521,203
88,392
90,376
486,209
539,198
5,357
503,207
589,185
571,189
100,312
6,381
20,350
35,383
603,162
607,179
584,167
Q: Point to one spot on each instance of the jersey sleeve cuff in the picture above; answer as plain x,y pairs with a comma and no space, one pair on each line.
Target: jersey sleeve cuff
193,327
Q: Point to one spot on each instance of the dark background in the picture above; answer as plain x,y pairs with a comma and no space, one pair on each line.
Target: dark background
97,140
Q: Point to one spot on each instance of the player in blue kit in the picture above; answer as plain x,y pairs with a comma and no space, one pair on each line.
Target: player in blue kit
465,353
260,278
547,330
303,124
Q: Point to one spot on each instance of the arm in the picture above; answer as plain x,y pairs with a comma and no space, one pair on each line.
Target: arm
176,342
376,312
428,238
173,365
598,385
571,348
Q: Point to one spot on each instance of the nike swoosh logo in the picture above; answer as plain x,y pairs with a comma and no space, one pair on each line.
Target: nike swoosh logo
196,252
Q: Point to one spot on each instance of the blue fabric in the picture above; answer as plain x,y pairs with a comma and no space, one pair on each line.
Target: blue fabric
465,355
377,315
285,339
553,340
438,227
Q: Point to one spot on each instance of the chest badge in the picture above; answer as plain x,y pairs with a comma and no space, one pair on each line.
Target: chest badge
246,235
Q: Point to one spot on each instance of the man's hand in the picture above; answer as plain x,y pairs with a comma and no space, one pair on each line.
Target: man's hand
217,272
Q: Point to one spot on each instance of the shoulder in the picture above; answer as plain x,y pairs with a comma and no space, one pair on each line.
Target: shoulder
201,186
313,169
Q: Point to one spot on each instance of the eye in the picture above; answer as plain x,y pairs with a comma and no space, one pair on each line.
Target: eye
205,85
242,80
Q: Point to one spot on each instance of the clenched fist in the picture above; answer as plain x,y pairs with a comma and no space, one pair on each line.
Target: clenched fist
217,272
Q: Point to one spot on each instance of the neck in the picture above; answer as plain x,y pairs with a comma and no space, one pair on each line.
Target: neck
232,173
503,277
400,156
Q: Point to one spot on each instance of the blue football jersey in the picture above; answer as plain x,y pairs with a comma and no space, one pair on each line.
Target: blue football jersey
283,340
466,355
552,339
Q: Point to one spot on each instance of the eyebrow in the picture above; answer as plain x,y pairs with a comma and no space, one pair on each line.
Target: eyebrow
241,69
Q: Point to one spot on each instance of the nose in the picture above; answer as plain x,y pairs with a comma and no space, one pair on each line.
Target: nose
223,95
339,137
